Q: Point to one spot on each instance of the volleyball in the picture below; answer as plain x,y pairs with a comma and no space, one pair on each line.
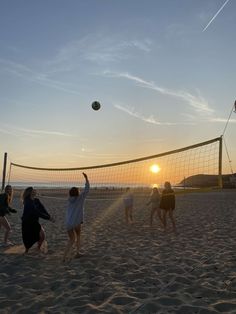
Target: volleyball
96,105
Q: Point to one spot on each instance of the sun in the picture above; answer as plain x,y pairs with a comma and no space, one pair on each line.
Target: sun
155,168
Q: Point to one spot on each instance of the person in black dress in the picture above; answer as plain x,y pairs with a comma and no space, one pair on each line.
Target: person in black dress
167,203
32,231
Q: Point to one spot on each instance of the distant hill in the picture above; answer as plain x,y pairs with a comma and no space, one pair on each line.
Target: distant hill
205,180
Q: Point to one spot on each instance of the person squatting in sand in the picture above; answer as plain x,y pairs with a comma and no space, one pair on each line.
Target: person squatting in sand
155,205
128,201
167,203
32,231
5,209
75,217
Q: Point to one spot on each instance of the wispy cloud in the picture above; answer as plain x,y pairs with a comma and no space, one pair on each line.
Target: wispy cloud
110,49
197,102
98,48
149,119
222,120
217,13
188,117
206,119
4,131
92,49
27,73
16,131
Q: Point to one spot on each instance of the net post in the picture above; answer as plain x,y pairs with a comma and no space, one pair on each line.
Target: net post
4,171
220,182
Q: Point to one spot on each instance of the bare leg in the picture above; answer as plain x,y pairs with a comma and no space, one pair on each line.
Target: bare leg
151,216
131,214
159,216
70,243
172,219
4,222
78,233
126,215
26,251
41,238
164,219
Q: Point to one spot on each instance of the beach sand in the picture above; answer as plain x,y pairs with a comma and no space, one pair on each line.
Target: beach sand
128,268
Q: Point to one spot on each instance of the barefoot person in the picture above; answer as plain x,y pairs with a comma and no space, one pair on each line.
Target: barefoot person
155,203
5,200
128,201
167,203
32,231
75,217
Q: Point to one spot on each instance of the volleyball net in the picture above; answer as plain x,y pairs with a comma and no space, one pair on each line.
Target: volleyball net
193,167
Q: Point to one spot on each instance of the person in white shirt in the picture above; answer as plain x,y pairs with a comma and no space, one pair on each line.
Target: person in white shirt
75,217
128,201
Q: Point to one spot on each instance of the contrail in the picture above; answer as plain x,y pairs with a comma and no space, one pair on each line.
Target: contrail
215,15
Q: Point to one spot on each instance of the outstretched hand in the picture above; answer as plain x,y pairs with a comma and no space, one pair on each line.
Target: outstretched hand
85,175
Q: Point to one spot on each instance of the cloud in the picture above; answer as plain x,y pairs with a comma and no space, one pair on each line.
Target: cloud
26,73
3,131
199,104
97,48
222,120
93,48
150,119
13,130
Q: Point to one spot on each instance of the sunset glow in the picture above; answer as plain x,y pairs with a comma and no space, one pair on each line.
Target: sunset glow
155,168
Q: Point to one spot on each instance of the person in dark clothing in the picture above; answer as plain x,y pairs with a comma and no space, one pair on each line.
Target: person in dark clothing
32,231
167,203
5,209
155,202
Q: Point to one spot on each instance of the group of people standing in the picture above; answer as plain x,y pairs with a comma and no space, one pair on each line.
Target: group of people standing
33,232
161,205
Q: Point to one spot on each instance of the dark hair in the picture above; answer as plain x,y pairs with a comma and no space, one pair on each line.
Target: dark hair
8,187
27,193
9,196
74,191
155,191
167,185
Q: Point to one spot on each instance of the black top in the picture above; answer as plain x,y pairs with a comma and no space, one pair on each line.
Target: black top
33,210
167,199
4,205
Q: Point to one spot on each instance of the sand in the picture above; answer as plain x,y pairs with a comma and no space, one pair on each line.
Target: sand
128,269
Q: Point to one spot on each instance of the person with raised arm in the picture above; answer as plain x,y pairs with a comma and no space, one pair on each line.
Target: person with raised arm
75,217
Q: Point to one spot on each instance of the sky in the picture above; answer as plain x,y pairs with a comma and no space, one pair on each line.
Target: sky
162,70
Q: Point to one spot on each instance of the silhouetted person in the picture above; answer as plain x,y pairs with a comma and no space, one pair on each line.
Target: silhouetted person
5,209
167,203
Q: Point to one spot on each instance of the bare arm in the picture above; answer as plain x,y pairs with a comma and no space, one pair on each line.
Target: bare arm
86,177
87,184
